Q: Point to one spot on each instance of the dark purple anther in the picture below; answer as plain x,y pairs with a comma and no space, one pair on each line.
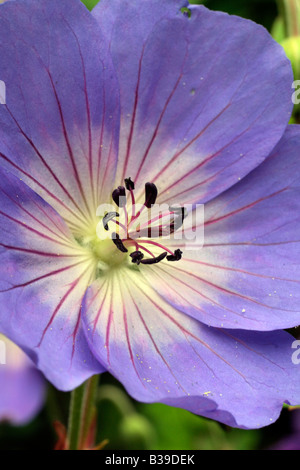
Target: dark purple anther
108,217
176,257
118,242
129,184
154,260
150,194
119,196
137,257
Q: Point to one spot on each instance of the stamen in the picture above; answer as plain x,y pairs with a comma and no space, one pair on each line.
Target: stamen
137,257
180,211
141,242
129,184
154,260
150,198
155,219
132,204
108,217
120,225
119,196
176,216
118,242
139,247
176,257
181,214
151,194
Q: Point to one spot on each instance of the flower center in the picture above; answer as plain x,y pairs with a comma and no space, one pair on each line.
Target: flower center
138,228
102,252
108,254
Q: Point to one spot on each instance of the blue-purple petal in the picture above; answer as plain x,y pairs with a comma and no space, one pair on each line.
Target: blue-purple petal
240,378
246,275
43,277
59,127
203,99
22,389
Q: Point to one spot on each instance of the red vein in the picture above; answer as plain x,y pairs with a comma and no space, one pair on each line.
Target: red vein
60,304
129,141
248,206
42,187
227,291
88,112
44,276
154,135
70,151
43,159
226,268
34,218
153,341
25,226
181,328
36,252
167,166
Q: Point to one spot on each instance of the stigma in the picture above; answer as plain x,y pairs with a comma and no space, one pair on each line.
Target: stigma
139,228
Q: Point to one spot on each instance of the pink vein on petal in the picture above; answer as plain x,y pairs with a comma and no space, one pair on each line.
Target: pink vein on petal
193,336
129,141
70,151
189,143
43,160
44,276
60,304
154,343
41,186
154,135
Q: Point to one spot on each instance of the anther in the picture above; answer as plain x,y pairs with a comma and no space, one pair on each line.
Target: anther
150,194
137,257
154,260
119,196
118,242
129,184
176,217
108,217
176,257
180,211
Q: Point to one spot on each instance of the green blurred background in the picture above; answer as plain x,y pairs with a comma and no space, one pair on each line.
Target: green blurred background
131,425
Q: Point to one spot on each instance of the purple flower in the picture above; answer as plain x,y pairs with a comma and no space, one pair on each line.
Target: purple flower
22,387
196,108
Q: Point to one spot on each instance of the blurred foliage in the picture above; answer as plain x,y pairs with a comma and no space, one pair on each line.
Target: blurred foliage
90,3
132,425
292,49
277,29
260,11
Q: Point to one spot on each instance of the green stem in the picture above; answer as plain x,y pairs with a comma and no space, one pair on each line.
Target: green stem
290,10
82,407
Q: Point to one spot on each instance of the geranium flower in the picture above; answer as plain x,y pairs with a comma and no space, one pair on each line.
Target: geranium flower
134,98
22,389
